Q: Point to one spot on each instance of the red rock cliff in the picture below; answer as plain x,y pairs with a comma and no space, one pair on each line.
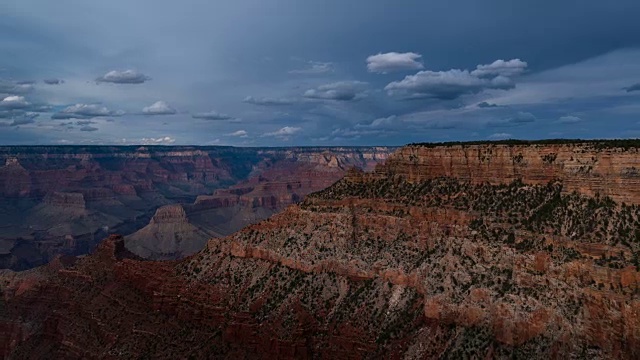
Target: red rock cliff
583,167
400,264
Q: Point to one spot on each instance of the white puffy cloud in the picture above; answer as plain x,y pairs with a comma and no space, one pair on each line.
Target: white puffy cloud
451,84
159,108
85,111
157,141
443,85
393,61
339,91
284,132
239,133
14,102
510,68
123,77
502,82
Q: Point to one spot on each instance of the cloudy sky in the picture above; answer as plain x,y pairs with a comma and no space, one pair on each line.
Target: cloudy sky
330,72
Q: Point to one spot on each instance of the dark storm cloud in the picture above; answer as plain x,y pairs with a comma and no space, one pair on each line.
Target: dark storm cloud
568,70
339,91
123,77
7,114
85,122
13,88
485,104
88,128
266,101
84,111
25,119
53,81
212,115
634,87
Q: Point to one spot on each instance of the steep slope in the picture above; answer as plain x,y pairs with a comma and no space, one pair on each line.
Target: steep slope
377,265
608,168
169,235
272,185
122,187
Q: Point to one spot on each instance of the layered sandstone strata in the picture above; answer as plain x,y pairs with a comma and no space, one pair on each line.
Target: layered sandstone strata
597,167
169,235
122,187
398,264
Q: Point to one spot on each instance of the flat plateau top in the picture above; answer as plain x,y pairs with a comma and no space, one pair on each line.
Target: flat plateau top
597,143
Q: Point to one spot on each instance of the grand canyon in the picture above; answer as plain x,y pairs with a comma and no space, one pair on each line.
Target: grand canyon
452,250
167,200
332,179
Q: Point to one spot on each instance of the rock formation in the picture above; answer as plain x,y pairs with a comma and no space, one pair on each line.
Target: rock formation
400,263
272,185
169,235
63,200
605,168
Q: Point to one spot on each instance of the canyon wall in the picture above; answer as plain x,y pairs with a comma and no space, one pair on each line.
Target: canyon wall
63,200
608,169
402,263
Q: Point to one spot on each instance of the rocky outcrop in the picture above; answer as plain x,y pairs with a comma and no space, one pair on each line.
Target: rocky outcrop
170,214
596,167
384,265
169,235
